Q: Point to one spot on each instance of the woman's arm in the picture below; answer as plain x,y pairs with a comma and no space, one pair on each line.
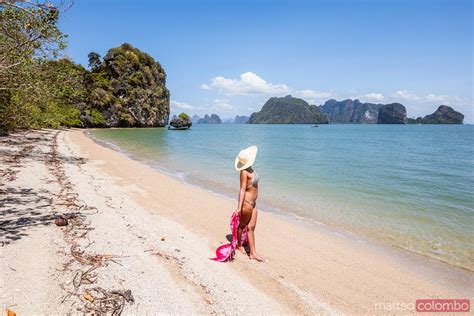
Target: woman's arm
243,185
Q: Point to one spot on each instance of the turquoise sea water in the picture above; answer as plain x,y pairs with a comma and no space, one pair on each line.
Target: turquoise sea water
409,186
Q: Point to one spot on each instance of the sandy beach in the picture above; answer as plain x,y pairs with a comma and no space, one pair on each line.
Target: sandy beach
139,241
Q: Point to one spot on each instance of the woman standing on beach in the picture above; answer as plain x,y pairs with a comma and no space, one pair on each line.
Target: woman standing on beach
247,199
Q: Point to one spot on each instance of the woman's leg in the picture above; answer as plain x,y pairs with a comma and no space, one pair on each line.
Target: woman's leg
245,217
251,233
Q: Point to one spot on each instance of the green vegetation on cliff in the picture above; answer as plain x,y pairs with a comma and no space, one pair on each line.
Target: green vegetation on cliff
288,110
126,88
181,121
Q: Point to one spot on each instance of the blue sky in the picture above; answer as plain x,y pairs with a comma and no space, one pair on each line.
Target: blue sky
228,57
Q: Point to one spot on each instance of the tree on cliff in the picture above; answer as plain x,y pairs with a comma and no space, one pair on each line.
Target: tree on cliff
94,60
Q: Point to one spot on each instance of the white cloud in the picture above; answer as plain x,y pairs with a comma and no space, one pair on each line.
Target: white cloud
223,105
312,96
181,105
437,98
407,95
429,98
353,91
377,97
249,83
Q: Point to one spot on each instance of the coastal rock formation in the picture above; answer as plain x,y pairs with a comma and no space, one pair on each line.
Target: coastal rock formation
351,111
181,121
288,110
213,119
394,113
128,90
195,118
240,119
443,115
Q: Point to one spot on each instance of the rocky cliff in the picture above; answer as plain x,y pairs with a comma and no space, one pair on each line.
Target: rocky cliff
128,89
351,111
288,110
183,120
394,113
443,115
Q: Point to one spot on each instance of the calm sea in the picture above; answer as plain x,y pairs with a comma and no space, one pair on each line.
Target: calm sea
409,186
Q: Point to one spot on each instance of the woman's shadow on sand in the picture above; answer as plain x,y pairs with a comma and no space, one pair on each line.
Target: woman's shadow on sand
229,239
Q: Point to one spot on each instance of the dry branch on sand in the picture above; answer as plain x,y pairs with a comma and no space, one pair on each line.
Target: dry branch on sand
103,302
94,300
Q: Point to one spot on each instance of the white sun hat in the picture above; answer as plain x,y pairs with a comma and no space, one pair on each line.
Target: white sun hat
246,158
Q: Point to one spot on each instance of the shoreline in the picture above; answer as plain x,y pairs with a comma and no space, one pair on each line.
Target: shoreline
430,268
380,244
157,233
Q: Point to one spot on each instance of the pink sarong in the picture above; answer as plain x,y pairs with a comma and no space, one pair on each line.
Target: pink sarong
226,252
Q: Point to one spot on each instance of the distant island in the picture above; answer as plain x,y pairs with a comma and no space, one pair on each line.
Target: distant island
443,115
216,119
288,110
240,119
291,110
213,119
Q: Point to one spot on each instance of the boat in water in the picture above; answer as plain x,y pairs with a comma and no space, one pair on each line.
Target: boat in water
183,128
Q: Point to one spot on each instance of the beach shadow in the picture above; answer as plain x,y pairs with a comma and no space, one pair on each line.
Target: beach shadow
62,159
21,210
229,239
26,140
17,148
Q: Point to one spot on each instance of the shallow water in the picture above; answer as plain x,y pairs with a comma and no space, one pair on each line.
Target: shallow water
407,185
